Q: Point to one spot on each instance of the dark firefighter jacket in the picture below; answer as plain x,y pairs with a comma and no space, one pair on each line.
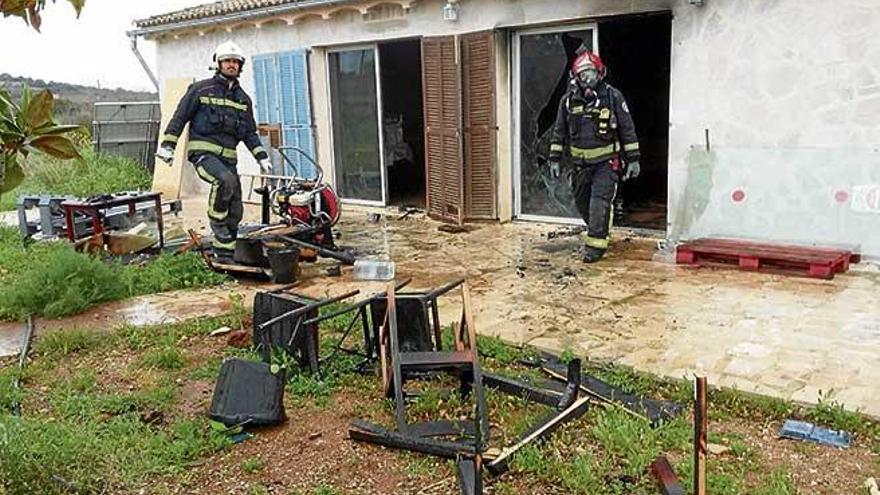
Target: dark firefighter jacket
220,115
595,129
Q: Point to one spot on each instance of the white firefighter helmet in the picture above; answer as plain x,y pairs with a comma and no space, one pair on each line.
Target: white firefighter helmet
228,50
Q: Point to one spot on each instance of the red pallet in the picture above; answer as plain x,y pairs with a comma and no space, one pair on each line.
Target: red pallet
754,256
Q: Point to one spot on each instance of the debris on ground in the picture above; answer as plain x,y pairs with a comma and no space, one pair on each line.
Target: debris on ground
666,477
802,430
152,417
374,218
248,392
241,437
410,347
374,270
455,229
871,486
565,232
221,331
240,339
716,449
654,411
407,212
288,322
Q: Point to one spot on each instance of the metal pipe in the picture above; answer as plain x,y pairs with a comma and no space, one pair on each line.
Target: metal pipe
305,309
444,289
346,258
137,53
355,306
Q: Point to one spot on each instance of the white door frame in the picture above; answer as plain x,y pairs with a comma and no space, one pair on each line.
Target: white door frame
515,125
379,116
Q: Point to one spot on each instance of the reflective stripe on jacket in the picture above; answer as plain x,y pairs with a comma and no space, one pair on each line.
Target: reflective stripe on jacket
220,114
594,129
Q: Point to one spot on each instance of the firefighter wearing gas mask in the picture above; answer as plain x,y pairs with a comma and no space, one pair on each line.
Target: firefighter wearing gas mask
595,129
221,115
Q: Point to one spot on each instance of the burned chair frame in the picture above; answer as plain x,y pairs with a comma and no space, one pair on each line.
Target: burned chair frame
398,364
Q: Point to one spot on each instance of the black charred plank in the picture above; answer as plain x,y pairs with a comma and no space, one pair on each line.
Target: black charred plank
365,431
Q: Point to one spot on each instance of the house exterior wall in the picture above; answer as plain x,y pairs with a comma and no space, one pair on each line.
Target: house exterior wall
789,91
189,55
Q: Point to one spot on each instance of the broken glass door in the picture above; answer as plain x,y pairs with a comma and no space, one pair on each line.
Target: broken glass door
543,60
355,119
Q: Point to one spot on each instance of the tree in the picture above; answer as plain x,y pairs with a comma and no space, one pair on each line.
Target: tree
26,127
29,10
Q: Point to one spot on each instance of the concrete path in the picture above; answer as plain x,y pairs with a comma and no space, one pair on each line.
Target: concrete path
788,337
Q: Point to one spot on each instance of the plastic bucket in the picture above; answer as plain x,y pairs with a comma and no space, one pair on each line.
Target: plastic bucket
284,264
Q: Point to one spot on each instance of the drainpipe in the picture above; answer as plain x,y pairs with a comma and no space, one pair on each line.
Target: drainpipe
134,48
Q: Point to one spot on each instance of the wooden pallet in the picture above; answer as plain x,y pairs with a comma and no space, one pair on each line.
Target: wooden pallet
772,258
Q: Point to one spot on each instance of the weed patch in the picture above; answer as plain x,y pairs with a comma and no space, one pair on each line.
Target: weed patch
51,279
68,341
95,456
252,465
94,174
168,359
832,414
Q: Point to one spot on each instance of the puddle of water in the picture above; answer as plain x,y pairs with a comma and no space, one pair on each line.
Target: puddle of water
10,343
145,313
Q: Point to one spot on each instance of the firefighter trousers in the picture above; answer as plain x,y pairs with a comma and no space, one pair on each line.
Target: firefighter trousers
225,208
595,186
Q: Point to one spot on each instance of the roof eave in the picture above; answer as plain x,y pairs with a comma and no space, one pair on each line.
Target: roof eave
235,16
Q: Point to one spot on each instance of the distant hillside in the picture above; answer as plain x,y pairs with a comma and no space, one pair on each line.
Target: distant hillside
74,103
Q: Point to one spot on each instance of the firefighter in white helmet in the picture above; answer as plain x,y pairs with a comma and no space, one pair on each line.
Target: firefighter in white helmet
221,115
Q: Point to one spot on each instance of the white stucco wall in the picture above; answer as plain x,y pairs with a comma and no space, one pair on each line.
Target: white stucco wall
790,93
189,55
788,89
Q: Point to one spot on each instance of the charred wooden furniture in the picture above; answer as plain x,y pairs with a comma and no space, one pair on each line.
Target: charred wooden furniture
286,322
568,405
408,338
412,345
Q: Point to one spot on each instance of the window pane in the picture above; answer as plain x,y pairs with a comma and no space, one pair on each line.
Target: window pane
355,124
545,60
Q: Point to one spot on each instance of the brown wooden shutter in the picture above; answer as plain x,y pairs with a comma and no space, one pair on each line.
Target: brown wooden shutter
443,150
478,110
273,131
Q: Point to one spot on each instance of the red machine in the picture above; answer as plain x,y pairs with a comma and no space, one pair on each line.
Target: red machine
305,202
308,204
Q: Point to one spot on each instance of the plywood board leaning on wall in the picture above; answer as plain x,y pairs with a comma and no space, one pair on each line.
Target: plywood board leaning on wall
167,179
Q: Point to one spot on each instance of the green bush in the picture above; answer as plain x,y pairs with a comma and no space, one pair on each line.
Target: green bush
51,279
61,282
94,174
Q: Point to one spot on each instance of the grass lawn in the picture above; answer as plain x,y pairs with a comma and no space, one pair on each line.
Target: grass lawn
123,412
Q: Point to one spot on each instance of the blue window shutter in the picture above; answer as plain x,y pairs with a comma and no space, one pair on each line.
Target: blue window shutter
266,84
296,111
282,94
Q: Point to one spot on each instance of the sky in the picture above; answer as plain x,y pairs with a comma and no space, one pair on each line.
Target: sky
91,50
